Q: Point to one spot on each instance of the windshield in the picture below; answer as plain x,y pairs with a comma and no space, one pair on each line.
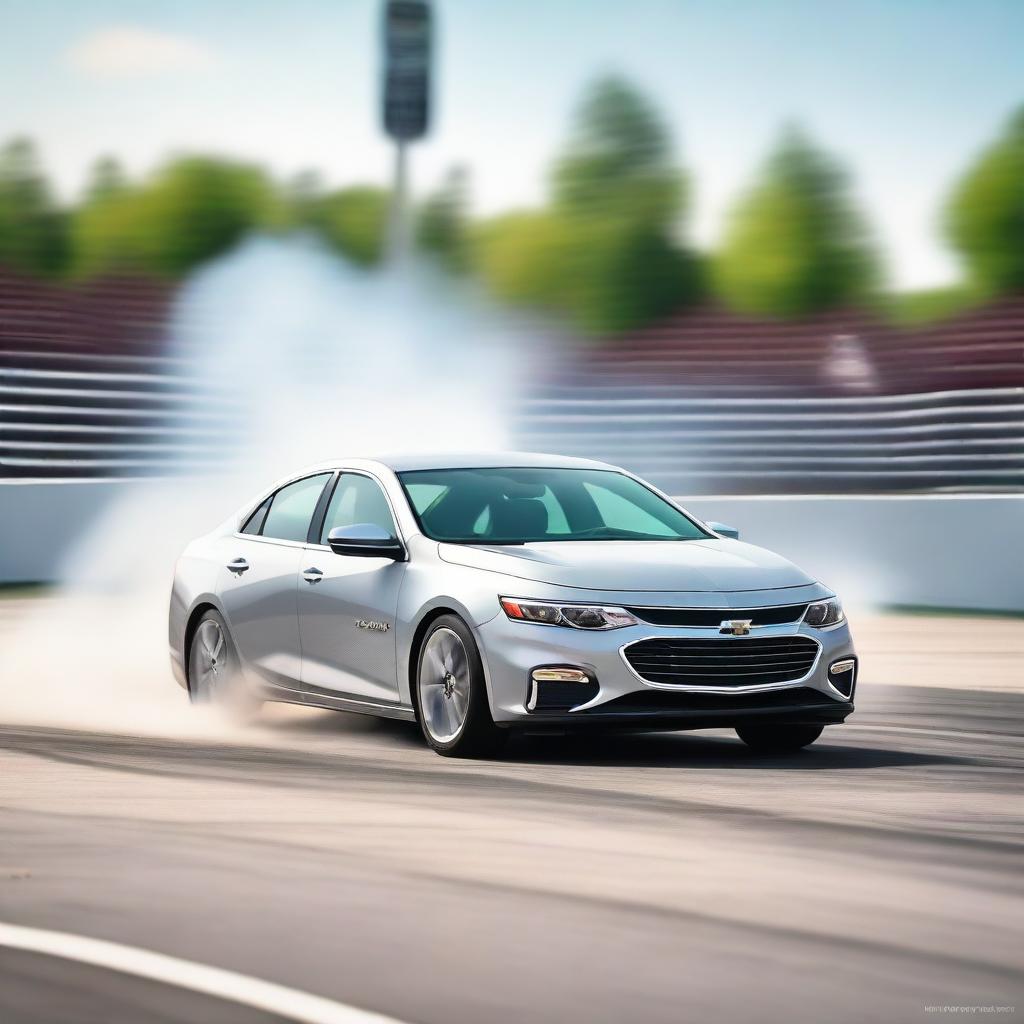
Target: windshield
523,506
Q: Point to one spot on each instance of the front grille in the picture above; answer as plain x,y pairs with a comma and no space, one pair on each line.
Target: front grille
716,616
725,661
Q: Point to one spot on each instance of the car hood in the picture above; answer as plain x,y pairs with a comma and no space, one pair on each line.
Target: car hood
691,566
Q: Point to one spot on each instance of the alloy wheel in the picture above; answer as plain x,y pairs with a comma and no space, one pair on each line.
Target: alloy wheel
209,668
444,684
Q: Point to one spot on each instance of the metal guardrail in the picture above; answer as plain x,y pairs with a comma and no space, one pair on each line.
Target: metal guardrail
950,440
88,416
82,416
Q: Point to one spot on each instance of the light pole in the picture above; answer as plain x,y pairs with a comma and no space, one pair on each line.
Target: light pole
407,39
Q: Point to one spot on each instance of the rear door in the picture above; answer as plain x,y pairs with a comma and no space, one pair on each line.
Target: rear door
347,604
260,578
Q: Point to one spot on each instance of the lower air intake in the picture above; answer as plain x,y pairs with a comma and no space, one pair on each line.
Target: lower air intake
555,696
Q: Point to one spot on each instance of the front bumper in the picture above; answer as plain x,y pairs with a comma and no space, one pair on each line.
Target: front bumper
512,650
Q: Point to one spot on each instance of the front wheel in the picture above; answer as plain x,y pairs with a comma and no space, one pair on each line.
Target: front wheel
778,739
451,693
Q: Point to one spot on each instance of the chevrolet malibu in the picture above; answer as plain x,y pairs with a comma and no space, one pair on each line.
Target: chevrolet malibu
480,595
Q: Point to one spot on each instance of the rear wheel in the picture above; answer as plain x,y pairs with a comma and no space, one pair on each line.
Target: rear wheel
214,672
451,693
778,739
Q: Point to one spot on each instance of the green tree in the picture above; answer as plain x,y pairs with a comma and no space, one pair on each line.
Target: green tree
441,226
521,256
191,210
985,214
108,234
33,231
199,207
930,305
618,160
354,221
105,234
303,195
619,274
795,244
106,179
603,254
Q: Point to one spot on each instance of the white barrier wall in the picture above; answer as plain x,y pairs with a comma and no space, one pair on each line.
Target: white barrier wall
40,523
953,551
948,551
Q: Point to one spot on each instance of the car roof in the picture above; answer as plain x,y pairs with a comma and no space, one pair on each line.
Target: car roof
481,460
449,460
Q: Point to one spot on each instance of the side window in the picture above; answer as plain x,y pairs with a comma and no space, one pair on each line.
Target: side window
618,513
255,522
292,508
357,499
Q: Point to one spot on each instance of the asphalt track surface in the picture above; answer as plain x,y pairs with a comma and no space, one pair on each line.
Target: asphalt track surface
658,877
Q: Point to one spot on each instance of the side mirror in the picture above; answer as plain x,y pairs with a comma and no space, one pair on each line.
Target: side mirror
725,531
365,540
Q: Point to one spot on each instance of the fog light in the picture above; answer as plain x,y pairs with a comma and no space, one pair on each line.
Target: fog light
842,675
560,675
557,688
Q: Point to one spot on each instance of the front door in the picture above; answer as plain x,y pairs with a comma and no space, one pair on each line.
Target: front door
347,604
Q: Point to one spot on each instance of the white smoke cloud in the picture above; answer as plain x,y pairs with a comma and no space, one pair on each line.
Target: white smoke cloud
309,358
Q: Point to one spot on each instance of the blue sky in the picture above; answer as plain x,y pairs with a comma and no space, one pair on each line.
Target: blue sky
904,91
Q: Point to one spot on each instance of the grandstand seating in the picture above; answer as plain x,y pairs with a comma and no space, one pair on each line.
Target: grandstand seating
88,388
709,402
704,402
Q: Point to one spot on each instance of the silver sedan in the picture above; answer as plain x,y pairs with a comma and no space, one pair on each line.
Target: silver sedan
479,595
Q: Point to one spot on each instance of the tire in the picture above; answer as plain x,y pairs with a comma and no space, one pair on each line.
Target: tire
451,694
778,739
214,670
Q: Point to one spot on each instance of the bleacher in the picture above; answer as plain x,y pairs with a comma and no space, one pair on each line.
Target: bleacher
704,402
709,402
87,387
715,351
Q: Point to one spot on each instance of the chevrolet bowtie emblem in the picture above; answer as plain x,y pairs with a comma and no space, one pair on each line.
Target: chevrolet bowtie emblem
737,627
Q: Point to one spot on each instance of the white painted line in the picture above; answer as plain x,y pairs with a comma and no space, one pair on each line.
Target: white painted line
211,981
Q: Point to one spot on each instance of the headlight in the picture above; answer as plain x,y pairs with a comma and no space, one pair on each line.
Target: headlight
824,613
578,616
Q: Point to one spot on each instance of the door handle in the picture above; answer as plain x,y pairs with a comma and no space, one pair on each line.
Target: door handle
238,566
312,575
